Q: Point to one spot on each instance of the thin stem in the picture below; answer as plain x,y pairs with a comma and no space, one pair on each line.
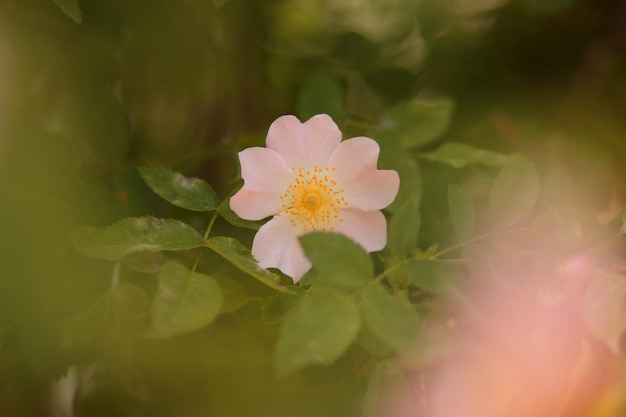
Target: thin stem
205,237
210,226
463,244
392,268
442,252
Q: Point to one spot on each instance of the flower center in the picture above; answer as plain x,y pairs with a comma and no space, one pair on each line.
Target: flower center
313,199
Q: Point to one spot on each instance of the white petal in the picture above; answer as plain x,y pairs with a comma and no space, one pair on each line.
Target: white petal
266,176
306,144
367,228
365,187
276,245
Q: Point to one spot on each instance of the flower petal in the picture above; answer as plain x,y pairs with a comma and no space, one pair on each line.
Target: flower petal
372,191
306,144
343,157
365,187
367,228
276,245
265,177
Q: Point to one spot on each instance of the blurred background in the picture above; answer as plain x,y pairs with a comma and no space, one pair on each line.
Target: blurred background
90,90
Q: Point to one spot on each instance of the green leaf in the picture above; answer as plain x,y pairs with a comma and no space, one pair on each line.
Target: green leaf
71,9
513,193
231,217
431,275
145,262
341,261
389,318
459,155
189,193
373,344
317,331
119,357
462,212
276,310
233,251
404,228
129,301
102,123
82,329
410,177
413,124
321,93
234,294
185,301
136,234
386,384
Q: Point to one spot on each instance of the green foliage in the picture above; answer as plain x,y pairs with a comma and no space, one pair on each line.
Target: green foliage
386,382
188,193
321,93
340,261
162,292
460,155
234,294
185,301
103,123
430,275
229,215
461,211
83,328
237,254
513,193
275,311
144,234
414,124
389,318
410,177
317,331
404,225
129,301
404,228
71,9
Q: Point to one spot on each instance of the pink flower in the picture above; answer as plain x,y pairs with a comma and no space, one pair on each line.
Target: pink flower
308,179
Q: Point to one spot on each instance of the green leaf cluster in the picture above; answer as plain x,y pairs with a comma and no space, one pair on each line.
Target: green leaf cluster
344,299
133,291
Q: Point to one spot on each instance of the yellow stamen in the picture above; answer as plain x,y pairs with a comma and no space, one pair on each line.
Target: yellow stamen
313,199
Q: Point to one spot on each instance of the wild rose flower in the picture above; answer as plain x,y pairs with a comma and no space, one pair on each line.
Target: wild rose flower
308,179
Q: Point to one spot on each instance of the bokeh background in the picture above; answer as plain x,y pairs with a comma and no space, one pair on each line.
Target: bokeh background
90,90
